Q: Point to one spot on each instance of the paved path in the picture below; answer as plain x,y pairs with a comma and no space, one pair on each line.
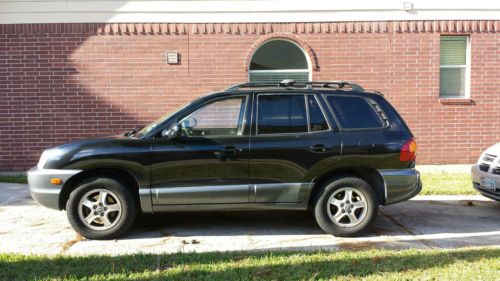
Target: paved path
424,222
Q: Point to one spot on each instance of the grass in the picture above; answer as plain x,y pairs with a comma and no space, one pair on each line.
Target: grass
14,179
434,264
447,184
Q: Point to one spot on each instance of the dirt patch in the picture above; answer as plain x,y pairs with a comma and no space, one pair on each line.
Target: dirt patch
68,244
379,231
187,242
362,245
468,203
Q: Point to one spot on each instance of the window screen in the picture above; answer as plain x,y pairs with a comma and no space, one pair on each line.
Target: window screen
279,114
453,70
354,112
316,117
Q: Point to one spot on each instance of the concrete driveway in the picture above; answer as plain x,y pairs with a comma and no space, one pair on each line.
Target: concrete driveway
424,222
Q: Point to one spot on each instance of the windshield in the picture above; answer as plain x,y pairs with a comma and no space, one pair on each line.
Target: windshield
158,121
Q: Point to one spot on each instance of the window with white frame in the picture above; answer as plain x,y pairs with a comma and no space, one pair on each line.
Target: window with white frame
454,67
277,60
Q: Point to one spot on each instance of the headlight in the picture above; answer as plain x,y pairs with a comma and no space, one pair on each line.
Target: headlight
52,154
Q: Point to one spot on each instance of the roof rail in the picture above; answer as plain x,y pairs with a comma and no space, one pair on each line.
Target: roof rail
284,83
289,83
339,85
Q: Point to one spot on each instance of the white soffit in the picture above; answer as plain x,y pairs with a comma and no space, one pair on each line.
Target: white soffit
235,11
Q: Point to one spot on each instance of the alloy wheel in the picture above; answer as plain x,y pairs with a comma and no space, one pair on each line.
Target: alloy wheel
99,209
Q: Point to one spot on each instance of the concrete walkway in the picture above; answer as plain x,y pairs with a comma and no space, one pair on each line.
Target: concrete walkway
424,222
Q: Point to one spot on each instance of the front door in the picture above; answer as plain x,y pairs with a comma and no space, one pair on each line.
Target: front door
208,164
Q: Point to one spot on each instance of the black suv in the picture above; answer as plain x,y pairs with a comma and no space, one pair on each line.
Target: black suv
328,147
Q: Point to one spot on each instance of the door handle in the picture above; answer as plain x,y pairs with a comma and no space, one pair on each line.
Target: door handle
226,152
229,150
319,148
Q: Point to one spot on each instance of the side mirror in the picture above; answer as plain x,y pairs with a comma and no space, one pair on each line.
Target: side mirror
190,122
173,132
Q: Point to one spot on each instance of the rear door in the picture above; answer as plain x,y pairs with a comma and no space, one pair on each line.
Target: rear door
290,137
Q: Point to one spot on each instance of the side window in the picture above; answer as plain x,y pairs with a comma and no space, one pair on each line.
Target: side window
354,112
221,118
454,73
316,118
279,114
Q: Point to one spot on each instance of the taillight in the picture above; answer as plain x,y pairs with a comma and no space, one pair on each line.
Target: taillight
408,151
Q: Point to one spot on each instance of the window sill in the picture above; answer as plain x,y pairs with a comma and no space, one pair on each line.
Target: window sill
462,101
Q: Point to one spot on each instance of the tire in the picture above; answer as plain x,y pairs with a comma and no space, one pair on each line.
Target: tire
335,217
106,203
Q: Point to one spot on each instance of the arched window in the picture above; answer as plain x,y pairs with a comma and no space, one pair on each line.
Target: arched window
279,59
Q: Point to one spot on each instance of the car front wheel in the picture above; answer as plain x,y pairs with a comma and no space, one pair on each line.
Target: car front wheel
101,208
346,207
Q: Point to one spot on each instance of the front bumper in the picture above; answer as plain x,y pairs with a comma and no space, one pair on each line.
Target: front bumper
477,174
400,184
42,190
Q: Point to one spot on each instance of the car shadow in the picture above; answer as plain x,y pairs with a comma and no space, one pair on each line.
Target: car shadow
428,223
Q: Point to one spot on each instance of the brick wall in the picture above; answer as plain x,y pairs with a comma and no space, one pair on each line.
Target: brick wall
61,82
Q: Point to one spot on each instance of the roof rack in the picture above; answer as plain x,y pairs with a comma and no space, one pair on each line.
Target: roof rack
289,83
339,85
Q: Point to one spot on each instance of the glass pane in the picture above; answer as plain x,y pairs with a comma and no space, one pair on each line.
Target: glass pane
278,54
276,77
281,114
223,117
452,82
354,112
316,117
453,50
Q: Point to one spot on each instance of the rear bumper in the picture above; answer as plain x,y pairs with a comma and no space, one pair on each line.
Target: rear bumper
400,184
476,183
42,190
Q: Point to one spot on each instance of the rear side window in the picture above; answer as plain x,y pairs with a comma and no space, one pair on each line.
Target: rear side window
278,114
354,112
316,117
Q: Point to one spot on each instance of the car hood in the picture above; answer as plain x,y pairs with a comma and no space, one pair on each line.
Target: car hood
63,155
493,150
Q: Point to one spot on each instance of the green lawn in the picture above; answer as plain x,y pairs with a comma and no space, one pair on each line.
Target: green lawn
447,184
14,179
462,264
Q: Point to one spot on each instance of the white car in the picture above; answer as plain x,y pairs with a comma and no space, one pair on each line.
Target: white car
486,173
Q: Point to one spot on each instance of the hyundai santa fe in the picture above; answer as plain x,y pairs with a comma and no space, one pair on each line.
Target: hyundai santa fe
329,147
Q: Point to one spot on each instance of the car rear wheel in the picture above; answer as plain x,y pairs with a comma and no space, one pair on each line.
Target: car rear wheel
346,207
101,208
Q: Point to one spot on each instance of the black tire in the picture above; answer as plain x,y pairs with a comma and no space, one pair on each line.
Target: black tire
321,206
121,224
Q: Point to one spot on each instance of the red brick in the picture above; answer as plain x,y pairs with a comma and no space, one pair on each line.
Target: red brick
64,82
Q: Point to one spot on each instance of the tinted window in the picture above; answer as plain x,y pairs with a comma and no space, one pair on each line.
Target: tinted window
316,117
354,112
222,117
281,114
